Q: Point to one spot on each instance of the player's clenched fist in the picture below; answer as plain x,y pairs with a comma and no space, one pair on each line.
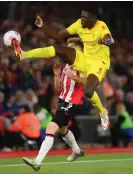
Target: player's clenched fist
39,21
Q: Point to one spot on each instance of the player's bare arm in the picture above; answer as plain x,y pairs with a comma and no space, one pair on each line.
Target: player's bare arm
57,74
79,80
107,40
51,33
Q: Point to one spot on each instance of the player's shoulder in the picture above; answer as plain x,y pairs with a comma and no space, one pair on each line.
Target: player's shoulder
102,23
78,22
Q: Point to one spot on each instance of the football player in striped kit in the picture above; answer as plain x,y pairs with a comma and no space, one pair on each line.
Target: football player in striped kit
70,84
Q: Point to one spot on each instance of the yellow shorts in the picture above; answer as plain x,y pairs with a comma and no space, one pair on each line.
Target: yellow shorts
88,65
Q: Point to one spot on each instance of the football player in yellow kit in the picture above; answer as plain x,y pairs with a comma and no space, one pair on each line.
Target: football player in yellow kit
94,61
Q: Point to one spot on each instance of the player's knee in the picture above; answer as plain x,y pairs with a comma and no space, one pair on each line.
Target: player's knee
52,128
90,85
59,49
63,130
88,92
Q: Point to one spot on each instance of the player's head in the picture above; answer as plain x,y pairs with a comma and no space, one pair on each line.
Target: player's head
88,18
75,42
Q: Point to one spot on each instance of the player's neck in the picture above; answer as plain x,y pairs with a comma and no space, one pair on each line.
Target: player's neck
94,23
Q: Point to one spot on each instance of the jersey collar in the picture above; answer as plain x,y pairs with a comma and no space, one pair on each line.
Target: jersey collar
95,25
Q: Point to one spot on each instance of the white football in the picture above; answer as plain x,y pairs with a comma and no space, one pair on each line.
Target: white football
8,36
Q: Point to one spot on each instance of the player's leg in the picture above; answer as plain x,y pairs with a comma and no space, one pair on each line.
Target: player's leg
58,121
89,89
95,75
69,138
47,144
68,54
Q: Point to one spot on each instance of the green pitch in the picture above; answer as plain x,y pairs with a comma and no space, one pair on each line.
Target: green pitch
90,164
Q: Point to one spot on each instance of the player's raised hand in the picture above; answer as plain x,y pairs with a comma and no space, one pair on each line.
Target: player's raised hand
39,21
57,69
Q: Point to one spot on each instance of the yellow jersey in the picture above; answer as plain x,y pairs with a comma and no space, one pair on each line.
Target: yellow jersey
90,38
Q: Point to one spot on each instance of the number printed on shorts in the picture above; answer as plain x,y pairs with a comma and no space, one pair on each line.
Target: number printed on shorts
67,107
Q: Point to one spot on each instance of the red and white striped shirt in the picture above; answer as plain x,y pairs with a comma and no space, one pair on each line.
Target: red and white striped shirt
71,91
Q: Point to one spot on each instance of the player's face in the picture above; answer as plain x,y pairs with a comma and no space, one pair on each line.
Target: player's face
85,20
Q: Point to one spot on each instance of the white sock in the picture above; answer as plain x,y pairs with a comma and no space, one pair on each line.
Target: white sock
45,147
70,140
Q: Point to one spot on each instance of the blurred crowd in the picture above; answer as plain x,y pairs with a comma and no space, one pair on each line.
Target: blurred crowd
30,82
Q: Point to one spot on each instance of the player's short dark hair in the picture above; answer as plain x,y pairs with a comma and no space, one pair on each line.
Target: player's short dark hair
92,10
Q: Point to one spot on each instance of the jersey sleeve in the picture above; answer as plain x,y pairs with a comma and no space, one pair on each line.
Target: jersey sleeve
104,29
72,29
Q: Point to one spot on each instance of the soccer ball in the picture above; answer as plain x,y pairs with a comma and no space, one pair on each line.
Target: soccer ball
8,36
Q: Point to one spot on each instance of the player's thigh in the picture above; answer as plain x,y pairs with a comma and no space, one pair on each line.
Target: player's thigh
66,53
73,111
63,130
61,118
97,68
79,63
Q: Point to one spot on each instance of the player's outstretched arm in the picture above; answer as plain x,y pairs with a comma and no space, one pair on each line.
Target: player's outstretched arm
79,80
51,33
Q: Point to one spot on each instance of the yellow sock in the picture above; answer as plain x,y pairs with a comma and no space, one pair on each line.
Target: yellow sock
95,100
46,52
